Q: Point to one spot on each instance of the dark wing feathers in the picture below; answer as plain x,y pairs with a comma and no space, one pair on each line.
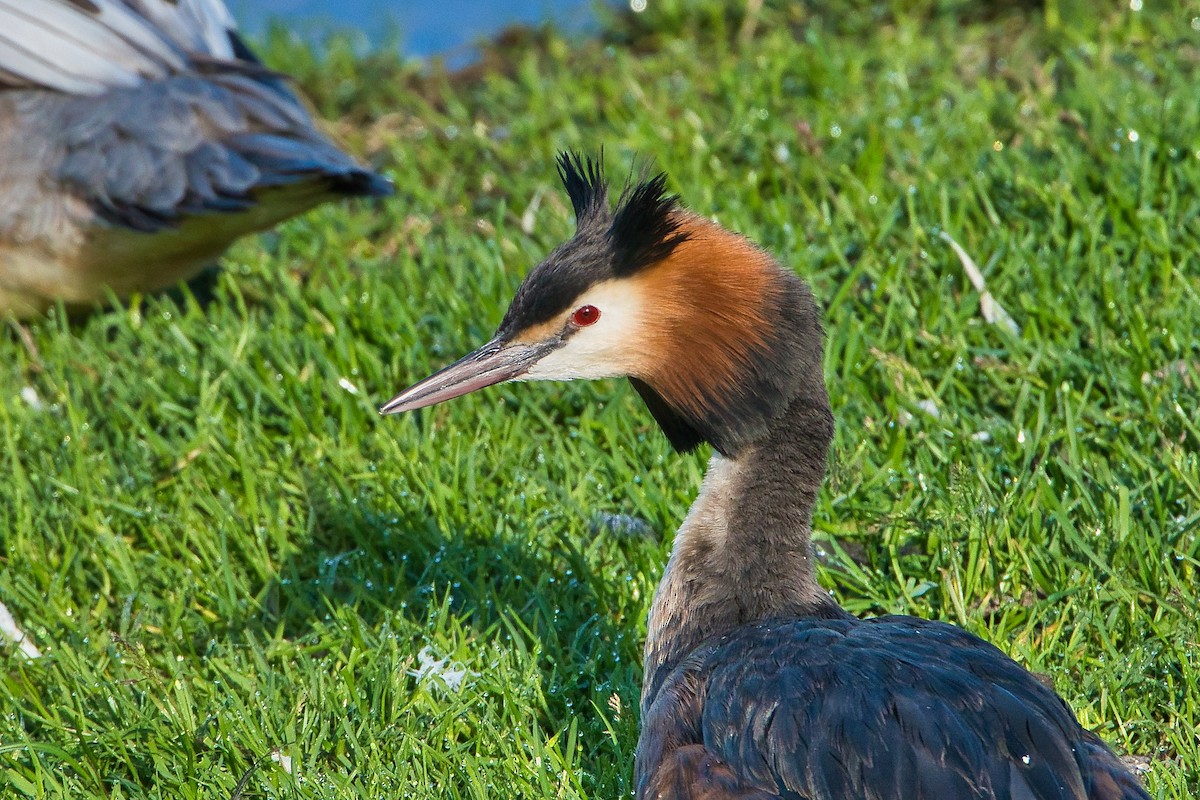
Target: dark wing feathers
877,710
147,156
694,773
200,127
1111,780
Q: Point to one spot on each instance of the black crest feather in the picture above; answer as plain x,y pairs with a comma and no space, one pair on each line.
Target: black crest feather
584,181
645,227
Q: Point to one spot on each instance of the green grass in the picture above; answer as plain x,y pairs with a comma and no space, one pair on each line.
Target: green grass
225,554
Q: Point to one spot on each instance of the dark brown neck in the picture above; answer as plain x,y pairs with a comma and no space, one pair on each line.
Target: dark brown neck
743,554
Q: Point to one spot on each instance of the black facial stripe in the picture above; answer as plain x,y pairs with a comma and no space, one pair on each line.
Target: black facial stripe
555,284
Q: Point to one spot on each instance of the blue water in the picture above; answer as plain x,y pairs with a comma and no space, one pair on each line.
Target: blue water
447,28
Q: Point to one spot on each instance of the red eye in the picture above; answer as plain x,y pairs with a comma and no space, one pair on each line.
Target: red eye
585,315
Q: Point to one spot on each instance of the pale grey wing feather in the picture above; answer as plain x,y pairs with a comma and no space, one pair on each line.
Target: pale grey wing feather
105,44
54,44
196,26
20,68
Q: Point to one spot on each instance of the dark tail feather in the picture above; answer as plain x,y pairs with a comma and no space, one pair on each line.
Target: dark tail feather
284,161
363,183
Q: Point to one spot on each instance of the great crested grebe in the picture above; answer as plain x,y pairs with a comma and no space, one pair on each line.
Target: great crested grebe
756,683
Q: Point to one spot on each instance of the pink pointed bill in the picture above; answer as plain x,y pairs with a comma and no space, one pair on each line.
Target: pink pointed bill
493,363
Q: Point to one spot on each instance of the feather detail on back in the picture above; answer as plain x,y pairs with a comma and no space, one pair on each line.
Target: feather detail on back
91,46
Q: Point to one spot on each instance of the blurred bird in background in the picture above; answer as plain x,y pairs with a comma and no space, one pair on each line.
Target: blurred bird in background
138,139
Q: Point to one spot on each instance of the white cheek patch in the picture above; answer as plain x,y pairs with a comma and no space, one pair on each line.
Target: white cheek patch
609,348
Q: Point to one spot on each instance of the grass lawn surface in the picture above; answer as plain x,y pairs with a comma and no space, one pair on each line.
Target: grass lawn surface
246,584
